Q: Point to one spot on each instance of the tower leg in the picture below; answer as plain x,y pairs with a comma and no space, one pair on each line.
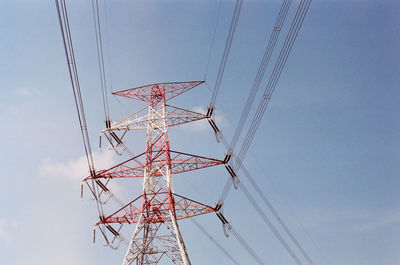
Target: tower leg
151,241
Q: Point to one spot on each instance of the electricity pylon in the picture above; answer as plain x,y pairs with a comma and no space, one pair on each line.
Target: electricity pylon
157,210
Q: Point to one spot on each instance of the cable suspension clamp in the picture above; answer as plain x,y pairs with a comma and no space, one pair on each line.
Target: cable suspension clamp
112,230
227,227
217,132
235,178
218,206
101,185
210,111
92,172
108,124
228,156
222,218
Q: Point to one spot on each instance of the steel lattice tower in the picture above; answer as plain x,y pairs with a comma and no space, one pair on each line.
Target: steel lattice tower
157,210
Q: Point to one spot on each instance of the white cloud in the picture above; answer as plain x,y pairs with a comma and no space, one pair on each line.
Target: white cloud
5,231
356,220
75,169
27,92
203,125
379,221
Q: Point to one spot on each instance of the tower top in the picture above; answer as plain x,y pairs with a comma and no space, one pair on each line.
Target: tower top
148,93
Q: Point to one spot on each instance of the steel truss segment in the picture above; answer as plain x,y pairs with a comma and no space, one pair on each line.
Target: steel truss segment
137,120
183,162
122,170
174,115
177,116
141,248
179,163
150,93
157,206
149,243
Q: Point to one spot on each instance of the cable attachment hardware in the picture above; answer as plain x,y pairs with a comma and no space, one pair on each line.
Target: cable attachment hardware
217,132
222,218
108,124
111,136
92,172
218,206
210,111
228,156
112,230
227,227
235,178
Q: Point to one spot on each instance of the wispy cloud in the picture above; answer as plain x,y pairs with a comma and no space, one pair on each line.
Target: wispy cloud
356,220
378,221
203,125
6,228
75,169
27,92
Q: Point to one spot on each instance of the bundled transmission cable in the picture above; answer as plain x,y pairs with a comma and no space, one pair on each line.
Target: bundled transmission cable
275,213
213,39
269,223
288,44
261,70
100,58
280,63
273,80
256,84
227,48
73,73
214,241
246,246
74,78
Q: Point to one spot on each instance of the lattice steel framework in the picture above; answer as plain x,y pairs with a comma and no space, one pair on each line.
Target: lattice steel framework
156,211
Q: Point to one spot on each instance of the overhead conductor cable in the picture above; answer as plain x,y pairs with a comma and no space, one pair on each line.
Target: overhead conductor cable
225,54
296,24
73,73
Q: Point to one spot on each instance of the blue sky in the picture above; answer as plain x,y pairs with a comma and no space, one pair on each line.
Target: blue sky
326,153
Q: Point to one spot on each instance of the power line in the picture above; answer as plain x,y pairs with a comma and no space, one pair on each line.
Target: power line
100,58
227,226
93,185
288,44
213,39
276,73
214,241
261,70
246,246
227,48
73,73
275,213
268,222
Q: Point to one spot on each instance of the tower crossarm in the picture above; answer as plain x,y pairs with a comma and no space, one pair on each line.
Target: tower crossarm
183,162
131,168
174,116
148,93
157,206
179,163
177,116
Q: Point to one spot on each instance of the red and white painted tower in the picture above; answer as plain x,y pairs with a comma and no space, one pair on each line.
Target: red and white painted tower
157,210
